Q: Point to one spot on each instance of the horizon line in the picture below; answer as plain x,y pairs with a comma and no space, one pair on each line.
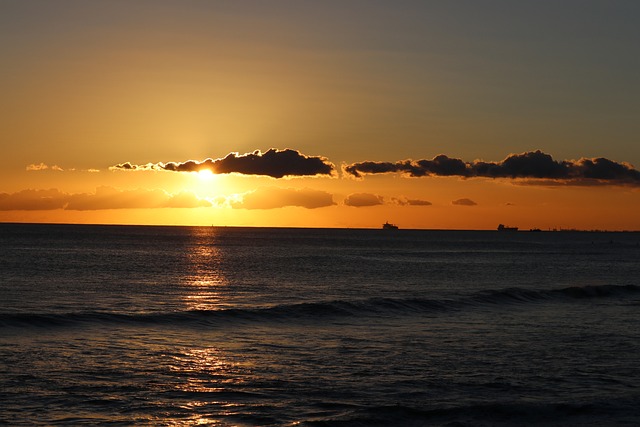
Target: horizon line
532,230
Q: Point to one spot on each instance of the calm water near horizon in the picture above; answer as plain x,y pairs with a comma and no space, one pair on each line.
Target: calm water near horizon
164,326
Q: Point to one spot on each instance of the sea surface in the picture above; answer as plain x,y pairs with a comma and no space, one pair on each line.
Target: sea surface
168,326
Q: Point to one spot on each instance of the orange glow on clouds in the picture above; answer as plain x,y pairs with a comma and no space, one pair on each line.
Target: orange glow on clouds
382,95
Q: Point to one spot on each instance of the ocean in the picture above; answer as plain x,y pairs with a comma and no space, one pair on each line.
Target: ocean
168,326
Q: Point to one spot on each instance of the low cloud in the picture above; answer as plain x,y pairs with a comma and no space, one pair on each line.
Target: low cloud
273,163
111,198
41,167
103,198
186,199
534,165
273,198
359,200
416,202
33,200
464,202
403,201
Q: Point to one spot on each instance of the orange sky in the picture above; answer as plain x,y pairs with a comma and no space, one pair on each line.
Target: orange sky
88,86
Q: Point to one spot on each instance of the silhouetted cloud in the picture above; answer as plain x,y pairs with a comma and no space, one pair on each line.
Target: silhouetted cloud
103,198
529,165
273,197
273,163
363,199
464,202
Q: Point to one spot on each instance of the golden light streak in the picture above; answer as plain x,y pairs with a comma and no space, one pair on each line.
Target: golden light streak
206,175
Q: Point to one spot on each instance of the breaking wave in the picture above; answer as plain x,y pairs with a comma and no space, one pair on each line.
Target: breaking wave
372,307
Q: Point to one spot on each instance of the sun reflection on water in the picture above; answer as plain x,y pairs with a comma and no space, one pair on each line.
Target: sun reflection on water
205,280
207,370
210,384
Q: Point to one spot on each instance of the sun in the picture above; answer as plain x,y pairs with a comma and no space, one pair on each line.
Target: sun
205,174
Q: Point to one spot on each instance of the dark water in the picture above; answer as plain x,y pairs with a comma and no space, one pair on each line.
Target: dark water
110,325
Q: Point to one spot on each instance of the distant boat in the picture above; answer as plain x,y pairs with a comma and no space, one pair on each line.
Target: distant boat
502,227
388,226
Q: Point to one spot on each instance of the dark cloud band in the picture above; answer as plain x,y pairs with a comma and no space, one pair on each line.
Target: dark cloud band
273,163
533,164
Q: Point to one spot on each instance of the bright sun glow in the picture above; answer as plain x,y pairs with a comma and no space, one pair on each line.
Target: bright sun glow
205,174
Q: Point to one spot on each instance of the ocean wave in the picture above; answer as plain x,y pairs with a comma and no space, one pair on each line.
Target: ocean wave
495,414
371,307
519,295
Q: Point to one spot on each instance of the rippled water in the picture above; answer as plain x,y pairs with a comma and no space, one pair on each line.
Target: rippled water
110,325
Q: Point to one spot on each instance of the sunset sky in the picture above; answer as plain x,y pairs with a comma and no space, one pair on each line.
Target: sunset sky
430,114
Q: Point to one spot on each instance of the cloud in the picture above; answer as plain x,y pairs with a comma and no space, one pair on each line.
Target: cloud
464,202
273,163
403,201
273,197
41,167
359,200
186,199
112,198
33,200
103,198
534,165
440,165
416,202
